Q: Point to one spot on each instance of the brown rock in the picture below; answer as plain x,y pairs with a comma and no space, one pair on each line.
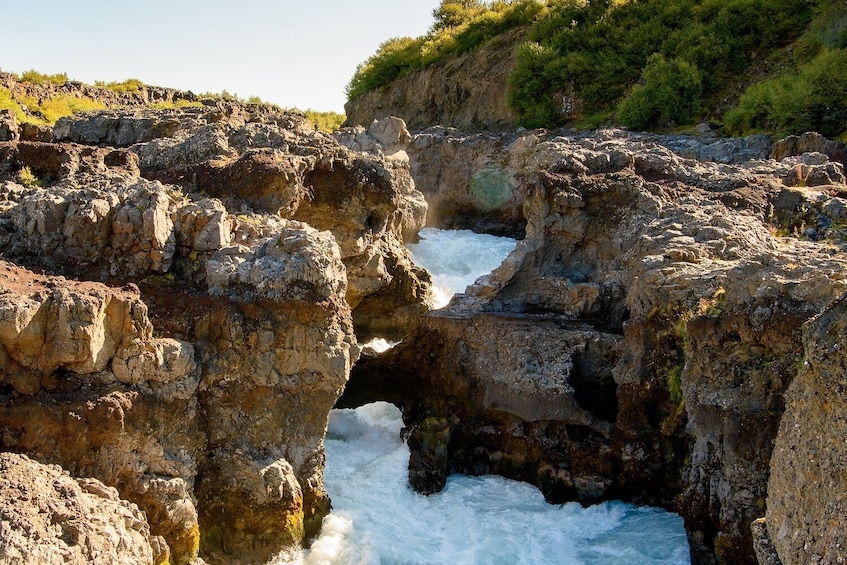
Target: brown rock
49,517
807,505
49,161
36,132
267,179
8,126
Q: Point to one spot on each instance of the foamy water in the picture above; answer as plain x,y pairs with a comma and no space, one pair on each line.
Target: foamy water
378,519
456,258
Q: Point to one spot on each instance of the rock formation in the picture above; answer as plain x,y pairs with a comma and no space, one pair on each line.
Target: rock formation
466,92
198,379
49,517
639,341
806,496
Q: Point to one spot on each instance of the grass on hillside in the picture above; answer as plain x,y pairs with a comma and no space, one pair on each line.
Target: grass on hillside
48,110
648,63
460,26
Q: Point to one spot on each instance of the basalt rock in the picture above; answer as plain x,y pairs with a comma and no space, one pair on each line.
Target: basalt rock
87,387
8,126
465,93
474,181
654,292
257,161
806,502
215,425
49,517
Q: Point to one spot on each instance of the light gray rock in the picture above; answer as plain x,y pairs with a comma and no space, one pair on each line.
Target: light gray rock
48,517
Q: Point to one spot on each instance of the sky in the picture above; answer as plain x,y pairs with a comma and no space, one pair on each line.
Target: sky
292,53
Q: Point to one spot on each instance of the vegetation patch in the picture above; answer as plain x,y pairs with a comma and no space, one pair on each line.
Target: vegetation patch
28,179
322,121
35,77
648,64
810,98
128,85
460,26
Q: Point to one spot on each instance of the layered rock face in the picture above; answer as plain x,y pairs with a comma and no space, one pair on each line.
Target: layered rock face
198,380
639,341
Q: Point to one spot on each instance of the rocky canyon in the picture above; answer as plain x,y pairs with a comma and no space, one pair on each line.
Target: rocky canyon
184,295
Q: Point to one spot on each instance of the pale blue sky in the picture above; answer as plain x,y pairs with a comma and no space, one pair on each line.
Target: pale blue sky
291,52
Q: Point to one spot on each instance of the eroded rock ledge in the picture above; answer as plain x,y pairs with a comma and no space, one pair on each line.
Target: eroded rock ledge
639,342
231,254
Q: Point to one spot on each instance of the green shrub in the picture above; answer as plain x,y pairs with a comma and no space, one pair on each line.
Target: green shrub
460,26
322,121
669,96
530,84
814,98
181,103
65,105
597,51
602,48
128,85
35,77
28,179
393,59
9,103
453,13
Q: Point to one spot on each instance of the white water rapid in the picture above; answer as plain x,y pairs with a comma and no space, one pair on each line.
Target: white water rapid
456,258
378,519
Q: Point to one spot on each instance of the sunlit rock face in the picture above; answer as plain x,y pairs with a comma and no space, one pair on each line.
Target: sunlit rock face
50,517
806,495
665,294
232,246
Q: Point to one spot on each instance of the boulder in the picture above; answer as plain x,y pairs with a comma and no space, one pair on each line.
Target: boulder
8,126
50,517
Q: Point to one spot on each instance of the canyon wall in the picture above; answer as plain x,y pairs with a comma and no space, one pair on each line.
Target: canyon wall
467,92
639,342
182,295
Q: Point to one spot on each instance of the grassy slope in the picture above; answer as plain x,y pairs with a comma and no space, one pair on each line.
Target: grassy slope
759,65
41,102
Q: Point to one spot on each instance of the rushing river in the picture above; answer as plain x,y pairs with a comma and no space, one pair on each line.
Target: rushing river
378,519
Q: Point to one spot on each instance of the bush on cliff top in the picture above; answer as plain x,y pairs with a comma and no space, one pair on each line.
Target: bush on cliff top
578,59
460,26
603,49
35,77
813,98
669,94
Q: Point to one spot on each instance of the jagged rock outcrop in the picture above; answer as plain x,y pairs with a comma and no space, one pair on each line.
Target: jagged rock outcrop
465,92
810,142
272,163
246,237
49,517
472,181
141,95
673,265
807,504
